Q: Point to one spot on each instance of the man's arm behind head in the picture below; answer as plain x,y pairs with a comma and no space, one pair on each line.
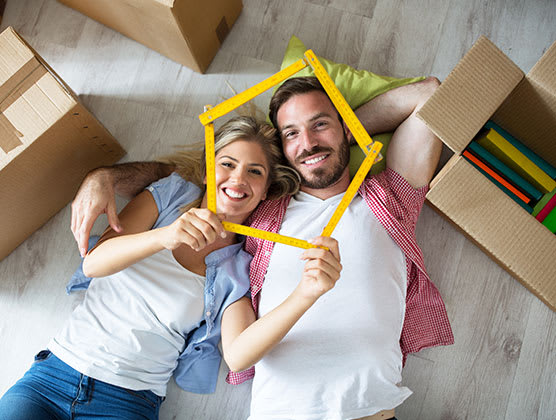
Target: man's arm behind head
414,150
96,195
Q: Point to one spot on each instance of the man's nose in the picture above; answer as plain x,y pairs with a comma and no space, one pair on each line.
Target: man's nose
307,140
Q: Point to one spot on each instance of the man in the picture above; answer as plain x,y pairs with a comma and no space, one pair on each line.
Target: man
343,359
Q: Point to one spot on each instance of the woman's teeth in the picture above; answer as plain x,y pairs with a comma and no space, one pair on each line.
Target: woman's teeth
315,160
233,194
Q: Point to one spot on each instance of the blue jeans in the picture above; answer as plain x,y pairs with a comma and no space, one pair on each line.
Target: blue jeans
50,389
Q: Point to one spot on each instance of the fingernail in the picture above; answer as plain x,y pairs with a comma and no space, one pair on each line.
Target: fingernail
223,234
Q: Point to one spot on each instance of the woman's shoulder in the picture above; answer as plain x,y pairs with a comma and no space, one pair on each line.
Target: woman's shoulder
173,188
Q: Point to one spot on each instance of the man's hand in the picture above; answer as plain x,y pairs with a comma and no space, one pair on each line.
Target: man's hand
95,196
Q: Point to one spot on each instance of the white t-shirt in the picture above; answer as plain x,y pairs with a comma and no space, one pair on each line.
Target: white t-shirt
342,360
128,329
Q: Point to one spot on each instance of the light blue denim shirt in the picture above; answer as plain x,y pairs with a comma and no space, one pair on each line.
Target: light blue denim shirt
227,280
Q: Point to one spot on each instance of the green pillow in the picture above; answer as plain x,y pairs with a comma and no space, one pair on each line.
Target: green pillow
357,86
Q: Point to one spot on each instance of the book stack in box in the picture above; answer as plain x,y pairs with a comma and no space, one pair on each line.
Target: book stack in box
523,175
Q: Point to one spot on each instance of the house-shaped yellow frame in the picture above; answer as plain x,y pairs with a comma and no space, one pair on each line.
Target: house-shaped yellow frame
370,148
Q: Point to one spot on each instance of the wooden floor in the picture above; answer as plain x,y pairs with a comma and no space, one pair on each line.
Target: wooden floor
503,365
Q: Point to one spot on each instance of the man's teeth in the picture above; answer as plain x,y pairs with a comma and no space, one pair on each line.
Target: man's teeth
315,160
234,194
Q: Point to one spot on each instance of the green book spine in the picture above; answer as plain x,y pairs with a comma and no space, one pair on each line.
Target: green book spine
543,202
550,221
537,160
514,197
504,170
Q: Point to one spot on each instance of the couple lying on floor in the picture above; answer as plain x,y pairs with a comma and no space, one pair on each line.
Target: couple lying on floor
327,329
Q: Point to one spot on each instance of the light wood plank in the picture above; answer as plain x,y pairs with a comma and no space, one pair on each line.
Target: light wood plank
502,365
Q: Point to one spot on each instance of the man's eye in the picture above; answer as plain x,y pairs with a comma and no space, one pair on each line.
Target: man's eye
290,134
321,124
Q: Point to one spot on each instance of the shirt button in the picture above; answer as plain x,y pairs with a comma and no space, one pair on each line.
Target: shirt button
208,313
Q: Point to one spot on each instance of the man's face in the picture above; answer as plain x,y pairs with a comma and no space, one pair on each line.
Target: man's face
313,139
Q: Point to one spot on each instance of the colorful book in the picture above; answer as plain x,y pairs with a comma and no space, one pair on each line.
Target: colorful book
498,181
550,221
546,209
536,159
543,202
504,170
512,157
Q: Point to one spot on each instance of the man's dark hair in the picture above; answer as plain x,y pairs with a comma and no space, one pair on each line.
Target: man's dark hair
292,87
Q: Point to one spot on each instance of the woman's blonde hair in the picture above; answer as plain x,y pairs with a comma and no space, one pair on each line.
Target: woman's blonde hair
190,162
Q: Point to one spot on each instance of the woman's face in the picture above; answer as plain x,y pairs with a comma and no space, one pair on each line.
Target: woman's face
242,173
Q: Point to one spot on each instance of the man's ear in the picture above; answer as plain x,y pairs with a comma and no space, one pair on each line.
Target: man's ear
349,136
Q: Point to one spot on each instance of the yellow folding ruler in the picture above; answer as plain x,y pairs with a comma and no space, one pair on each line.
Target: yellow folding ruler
370,148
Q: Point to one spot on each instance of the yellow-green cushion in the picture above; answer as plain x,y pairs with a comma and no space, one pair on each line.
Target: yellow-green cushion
358,88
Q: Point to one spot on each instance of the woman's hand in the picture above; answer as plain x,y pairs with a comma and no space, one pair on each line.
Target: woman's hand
322,269
196,228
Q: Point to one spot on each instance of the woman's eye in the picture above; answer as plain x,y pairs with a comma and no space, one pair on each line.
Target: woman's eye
256,171
226,164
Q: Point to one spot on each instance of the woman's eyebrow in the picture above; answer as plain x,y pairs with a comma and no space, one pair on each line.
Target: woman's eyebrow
235,160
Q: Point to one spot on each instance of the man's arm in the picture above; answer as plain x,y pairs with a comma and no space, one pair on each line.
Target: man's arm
414,150
96,195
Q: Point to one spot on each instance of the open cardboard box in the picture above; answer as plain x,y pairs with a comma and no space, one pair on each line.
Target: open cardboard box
485,85
48,142
187,31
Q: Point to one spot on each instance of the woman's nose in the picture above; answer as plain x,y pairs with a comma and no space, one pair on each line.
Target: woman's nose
238,176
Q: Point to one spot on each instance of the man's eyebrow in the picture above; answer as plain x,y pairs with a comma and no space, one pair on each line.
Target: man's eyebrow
320,115
313,118
235,160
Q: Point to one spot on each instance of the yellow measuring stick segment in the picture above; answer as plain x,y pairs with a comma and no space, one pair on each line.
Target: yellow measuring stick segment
211,169
351,120
248,94
269,236
352,189
371,149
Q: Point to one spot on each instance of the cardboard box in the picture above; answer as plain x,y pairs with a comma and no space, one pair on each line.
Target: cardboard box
488,85
48,142
187,31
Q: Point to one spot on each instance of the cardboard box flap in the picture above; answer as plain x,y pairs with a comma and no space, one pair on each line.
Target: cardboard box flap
13,53
529,112
544,72
522,245
480,82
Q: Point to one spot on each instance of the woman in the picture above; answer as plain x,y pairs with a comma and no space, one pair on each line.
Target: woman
161,287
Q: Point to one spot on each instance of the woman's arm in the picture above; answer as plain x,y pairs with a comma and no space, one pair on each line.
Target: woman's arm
246,340
115,251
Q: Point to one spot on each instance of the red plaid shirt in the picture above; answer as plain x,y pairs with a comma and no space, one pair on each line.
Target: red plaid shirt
397,205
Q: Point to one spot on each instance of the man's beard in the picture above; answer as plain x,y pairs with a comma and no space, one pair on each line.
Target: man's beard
325,177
